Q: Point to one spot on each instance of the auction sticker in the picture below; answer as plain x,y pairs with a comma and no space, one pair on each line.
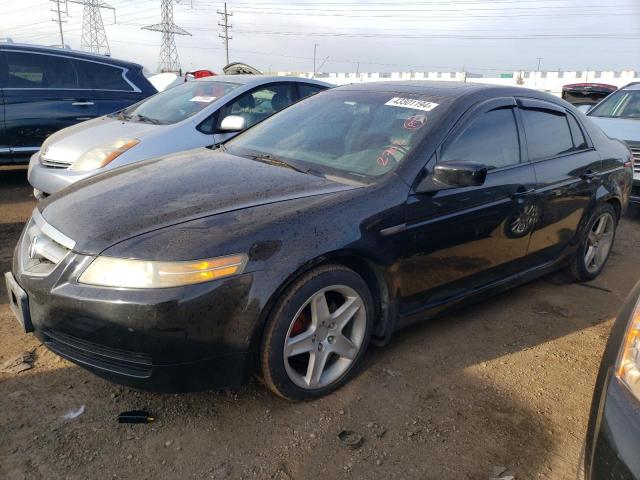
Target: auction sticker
412,103
199,98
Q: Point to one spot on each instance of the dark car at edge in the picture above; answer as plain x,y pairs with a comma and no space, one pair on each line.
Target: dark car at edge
45,89
287,250
613,432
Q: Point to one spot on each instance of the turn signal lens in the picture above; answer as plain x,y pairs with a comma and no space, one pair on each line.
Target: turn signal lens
101,156
628,367
126,273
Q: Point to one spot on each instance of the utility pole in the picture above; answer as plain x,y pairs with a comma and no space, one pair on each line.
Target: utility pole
225,28
315,49
94,37
169,61
59,20
539,60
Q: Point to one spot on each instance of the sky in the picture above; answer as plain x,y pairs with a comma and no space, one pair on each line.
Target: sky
485,37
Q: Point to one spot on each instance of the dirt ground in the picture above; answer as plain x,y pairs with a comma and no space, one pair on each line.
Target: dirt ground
497,389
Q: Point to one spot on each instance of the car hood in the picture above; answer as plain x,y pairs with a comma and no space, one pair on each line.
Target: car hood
68,144
125,202
619,128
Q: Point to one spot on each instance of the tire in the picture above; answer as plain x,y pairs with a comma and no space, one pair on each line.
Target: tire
582,269
311,346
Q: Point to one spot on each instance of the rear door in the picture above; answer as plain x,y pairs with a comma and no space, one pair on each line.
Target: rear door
468,237
109,88
567,169
5,152
42,96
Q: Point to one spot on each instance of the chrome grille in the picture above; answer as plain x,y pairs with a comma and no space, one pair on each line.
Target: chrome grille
636,159
42,247
54,163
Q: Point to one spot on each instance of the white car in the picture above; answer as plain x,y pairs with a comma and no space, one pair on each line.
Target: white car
201,113
619,116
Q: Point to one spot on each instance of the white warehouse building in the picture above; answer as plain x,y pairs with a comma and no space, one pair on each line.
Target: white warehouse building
547,81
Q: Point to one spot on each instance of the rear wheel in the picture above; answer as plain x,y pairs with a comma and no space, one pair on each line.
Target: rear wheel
595,244
317,334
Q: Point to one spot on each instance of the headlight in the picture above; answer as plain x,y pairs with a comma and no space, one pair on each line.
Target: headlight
101,156
628,367
125,273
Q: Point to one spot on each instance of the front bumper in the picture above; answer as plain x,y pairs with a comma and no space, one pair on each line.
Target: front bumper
616,440
47,180
172,339
635,190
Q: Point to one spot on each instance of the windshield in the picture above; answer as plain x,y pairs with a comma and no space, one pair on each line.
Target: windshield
358,135
621,104
177,103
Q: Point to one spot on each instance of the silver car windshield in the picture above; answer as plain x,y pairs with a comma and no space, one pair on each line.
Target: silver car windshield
359,135
620,104
177,103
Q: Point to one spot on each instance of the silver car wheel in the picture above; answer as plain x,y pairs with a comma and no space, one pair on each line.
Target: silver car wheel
324,337
599,243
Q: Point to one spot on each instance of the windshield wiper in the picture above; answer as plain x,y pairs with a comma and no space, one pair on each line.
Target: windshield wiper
144,118
268,159
122,116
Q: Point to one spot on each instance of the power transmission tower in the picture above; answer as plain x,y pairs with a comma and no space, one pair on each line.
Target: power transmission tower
169,61
59,20
94,37
225,27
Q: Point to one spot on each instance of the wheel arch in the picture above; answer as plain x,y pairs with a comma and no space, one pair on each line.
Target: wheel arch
374,274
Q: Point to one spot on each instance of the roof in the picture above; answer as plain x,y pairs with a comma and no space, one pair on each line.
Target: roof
435,88
631,86
259,79
69,52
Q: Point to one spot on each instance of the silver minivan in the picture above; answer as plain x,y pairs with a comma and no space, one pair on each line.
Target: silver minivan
194,114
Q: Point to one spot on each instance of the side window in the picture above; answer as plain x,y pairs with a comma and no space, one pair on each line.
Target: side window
101,77
579,142
207,125
491,139
30,70
547,132
259,104
306,90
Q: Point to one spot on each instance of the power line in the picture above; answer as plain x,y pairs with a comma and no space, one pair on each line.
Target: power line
225,28
169,61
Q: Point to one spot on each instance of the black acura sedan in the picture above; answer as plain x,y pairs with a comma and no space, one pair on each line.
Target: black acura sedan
613,434
287,250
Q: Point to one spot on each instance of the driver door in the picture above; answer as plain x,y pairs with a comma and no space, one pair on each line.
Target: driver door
469,237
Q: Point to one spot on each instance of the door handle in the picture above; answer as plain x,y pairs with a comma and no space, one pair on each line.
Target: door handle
519,196
82,104
589,175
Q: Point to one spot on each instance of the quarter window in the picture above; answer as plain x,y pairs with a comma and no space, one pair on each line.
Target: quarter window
547,132
28,70
305,90
102,77
491,140
579,142
259,104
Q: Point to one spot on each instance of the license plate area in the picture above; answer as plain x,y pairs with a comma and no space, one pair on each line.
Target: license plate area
18,302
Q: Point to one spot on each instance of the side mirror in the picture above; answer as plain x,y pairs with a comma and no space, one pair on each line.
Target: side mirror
584,108
453,174
233,123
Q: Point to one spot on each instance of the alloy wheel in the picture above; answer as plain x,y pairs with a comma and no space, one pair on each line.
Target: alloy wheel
599,242
324,337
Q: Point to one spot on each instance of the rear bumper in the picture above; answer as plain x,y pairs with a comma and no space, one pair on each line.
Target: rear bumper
616,440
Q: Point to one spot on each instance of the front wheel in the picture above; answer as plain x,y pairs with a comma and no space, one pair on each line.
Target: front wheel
317,334
595,244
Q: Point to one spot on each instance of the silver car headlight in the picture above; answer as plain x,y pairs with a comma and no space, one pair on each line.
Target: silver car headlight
127,273
100,156
628,366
